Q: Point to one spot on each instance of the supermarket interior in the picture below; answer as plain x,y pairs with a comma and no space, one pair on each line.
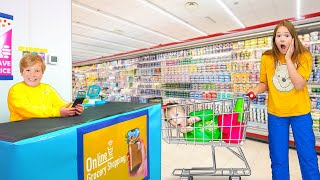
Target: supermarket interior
164,86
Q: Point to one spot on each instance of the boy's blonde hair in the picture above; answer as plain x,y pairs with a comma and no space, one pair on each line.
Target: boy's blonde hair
30,60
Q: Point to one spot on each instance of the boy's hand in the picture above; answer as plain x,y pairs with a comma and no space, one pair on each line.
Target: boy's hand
79,109
66,111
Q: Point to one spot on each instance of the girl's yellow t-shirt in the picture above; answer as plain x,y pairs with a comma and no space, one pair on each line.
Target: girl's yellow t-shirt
283,99
27,102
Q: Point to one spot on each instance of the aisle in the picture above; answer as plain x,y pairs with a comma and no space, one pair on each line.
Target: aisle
257,155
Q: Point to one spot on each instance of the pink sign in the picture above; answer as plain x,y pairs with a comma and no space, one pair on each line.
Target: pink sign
5,46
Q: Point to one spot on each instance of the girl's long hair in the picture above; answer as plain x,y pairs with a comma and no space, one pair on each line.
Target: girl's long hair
298,46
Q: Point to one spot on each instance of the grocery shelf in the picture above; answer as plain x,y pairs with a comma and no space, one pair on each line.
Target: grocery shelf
224,59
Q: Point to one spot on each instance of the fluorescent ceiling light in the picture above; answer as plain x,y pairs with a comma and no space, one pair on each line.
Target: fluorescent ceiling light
91,51
98,11
308,25
110,32
82,57
86,54
231,13
95,39
102,47
82,53
298,9
157,8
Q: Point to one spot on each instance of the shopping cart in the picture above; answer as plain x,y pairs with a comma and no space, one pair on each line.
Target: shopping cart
218,123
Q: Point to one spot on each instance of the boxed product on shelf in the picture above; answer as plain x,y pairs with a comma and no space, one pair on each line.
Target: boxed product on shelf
144,99
214,71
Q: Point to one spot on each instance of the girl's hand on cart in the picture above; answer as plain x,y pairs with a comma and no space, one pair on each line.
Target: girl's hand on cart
251,94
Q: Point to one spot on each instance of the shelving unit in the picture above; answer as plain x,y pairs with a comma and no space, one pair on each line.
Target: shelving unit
218,70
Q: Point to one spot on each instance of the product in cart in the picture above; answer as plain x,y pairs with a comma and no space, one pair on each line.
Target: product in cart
232,131
239,108
231,128
204,130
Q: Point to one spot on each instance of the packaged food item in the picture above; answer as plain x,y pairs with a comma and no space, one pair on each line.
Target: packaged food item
306,37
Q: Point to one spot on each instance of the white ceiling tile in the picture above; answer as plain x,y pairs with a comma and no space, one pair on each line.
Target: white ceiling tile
129,25
310,6
119,22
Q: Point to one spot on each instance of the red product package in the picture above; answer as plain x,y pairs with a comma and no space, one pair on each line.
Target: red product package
231,128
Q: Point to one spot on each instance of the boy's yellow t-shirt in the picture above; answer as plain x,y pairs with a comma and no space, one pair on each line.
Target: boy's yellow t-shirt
27,102
283,99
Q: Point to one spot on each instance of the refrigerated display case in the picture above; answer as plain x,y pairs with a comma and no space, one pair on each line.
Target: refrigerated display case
221,67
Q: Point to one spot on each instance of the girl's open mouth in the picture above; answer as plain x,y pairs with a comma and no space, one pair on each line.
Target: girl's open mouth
283,47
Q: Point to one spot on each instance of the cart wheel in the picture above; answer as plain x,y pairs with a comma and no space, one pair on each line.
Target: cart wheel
186,178
234,177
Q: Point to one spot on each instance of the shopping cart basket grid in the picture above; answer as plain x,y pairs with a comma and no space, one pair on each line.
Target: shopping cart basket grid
218,123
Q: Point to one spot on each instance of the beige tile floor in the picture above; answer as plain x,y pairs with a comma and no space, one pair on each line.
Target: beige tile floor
256,153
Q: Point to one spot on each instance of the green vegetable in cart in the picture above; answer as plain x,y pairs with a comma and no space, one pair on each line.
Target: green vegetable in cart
204,115
206,129
239,108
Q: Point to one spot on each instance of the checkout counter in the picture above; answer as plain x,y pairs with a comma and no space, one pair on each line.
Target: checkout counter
117,140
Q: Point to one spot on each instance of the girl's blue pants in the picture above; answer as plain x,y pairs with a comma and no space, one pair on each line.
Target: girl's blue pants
304,141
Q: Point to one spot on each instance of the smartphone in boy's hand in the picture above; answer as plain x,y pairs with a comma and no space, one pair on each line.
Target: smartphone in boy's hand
77,101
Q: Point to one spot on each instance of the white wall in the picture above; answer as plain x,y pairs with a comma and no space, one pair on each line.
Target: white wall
42,24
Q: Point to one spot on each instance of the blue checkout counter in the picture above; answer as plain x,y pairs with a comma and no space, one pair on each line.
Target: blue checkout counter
113,141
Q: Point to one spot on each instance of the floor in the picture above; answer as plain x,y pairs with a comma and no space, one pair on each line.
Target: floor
256,153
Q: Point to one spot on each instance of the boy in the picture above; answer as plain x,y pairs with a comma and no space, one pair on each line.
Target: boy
33,99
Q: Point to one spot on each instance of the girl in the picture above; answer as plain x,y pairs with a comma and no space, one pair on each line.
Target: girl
284,71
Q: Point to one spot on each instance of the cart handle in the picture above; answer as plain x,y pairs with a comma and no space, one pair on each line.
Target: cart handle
251,95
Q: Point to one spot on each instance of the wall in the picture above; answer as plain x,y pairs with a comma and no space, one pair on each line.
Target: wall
43,24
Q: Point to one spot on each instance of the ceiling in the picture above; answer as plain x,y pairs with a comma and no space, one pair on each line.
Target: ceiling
103,28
